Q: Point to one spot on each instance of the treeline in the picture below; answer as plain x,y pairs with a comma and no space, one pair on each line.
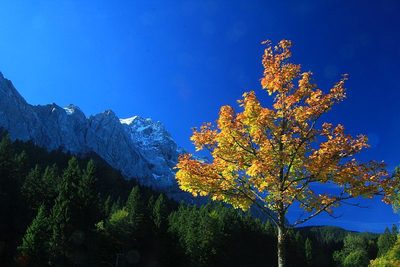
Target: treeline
359,249
57,210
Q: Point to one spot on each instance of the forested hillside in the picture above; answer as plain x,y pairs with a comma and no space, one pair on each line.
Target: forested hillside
57,210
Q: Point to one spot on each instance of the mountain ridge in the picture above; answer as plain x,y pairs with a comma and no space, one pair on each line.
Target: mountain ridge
140,148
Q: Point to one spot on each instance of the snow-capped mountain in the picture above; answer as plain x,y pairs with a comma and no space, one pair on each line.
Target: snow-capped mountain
140,148
156,146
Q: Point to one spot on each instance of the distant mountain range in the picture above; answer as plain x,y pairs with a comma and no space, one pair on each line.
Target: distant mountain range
140,148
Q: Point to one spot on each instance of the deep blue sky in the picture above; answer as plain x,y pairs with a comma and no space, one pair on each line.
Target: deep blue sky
179,61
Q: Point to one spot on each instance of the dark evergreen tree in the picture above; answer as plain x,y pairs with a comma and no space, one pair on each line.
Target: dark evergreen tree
150,205
160,213
33,190
50,180
107,206
34,248
116,205
12,220
354,252
387,240
66,220
198,233
88,198
135,208
308,250
269,228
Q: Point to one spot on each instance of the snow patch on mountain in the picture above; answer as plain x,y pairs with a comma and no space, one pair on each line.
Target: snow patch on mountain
156,146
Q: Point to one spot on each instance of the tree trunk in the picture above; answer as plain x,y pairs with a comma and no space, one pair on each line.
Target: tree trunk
281,246
281,238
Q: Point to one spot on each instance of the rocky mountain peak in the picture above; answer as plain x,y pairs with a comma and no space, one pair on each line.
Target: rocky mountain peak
139,147
8,91
72,109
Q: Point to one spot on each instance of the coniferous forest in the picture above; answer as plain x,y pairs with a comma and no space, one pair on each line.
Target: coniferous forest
59,210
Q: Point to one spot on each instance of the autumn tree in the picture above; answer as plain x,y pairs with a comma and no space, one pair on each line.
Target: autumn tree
273,156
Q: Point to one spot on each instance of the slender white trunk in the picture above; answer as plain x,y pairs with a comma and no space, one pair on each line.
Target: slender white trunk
281,240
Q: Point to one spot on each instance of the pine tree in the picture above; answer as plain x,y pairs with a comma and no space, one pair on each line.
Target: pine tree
354,252
74,215
50,180
6,156
149,212
7,181
395,230
269,228
33,189
107,206
150,204
10,199
198,233
65,217
308,251
34,247
135,208
386,240
160,213
116,205
89,199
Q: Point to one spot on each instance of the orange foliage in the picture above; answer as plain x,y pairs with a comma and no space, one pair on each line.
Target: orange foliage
274,155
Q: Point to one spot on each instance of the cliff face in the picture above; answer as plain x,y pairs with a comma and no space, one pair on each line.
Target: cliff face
17,116
139,148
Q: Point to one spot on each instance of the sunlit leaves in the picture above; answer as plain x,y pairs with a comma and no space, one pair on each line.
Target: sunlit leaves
274,155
